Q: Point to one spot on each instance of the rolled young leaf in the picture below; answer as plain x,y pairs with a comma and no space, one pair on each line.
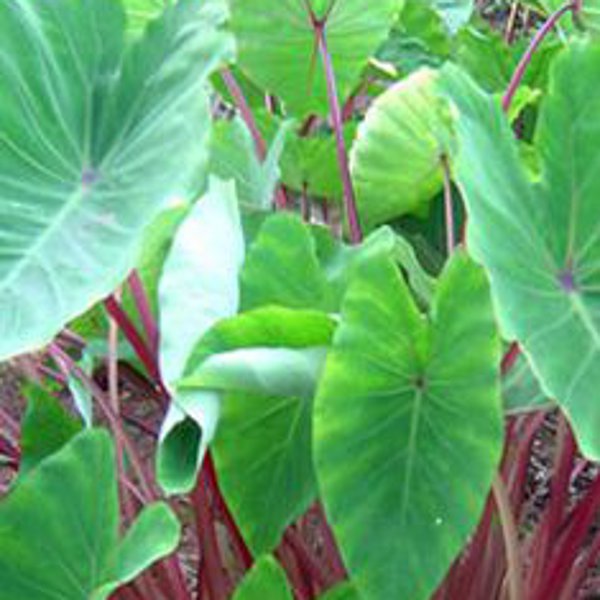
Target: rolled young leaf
198,287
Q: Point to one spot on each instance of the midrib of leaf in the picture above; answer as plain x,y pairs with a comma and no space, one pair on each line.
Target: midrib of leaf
411,452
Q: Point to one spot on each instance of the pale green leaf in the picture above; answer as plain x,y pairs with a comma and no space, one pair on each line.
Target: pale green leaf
277,45
97,135
539,241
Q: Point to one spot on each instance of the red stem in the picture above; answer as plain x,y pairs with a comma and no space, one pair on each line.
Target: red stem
448,207
9,424
136,341
330,545
212,482
356,235
510,358
566,551
539,37
210,569
142,303
246,113
307,562
298,579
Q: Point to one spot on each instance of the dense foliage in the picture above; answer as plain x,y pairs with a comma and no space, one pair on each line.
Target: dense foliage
295,286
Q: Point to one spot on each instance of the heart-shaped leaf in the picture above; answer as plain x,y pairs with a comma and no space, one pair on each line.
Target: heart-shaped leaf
396,160
278,49
540,241
96,136
59,528
408,426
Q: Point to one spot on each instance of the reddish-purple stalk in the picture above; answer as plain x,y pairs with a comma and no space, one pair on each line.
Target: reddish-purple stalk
305,204
66,363
211,573
319,27
246,113
113,398
448,206
143,352
526,59
9,425
10,451
307,562
298,578
237,94
245,556
142,304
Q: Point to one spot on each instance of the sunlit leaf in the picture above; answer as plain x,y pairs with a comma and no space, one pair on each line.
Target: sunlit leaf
408,426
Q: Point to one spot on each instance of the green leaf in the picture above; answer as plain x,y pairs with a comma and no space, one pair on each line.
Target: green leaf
521,390
59,528
263,448
396,159
198,287
265,581
419,39
277,46
454,12
187,430
96,137
264,352
420,281
154,534
278,371
267,327
539,241
154,248
263,453
343,591
233,156
282,267
422,425
141,12
296,266
199,283
47,427
311,164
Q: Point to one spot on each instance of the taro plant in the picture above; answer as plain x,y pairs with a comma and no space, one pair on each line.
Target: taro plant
301,300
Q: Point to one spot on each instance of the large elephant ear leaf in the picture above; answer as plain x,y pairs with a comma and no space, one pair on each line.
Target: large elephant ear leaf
278,48
397,157
59,528
416,404
540,241
96,136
